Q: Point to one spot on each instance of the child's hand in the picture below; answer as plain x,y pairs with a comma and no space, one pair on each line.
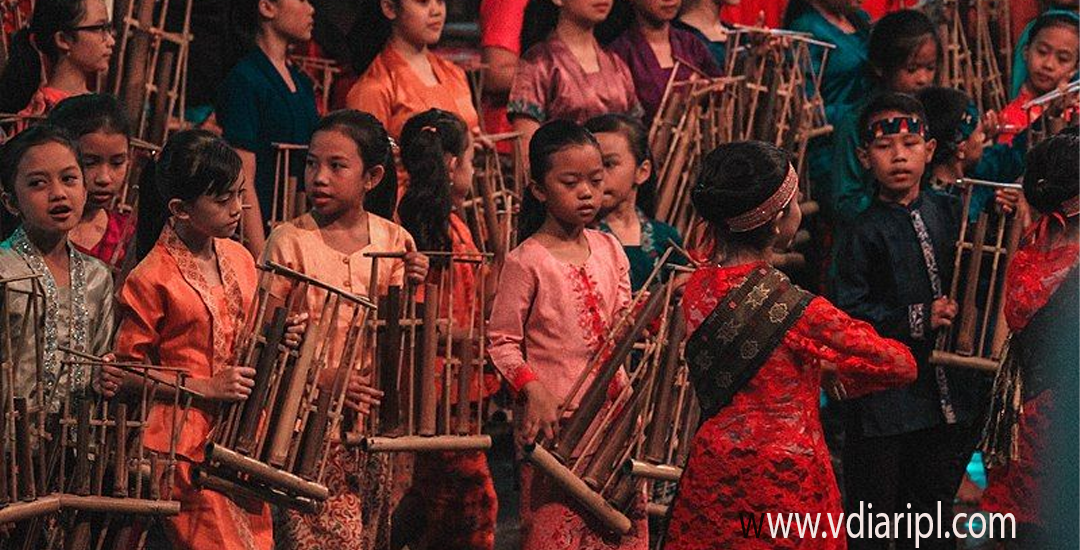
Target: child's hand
942,312
229,384
416,264
1007,200
541,413
108,379
830,382
360,397
294,330
991,124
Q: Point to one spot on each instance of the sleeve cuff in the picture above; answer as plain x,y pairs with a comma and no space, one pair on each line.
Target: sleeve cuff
917,320
523,375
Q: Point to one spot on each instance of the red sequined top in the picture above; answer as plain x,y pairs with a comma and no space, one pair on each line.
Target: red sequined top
1034,274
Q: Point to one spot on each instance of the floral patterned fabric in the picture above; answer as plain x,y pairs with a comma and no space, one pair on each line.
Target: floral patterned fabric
1019,487
765,451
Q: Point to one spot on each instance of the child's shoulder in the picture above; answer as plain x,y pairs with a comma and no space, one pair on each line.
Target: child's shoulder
383,229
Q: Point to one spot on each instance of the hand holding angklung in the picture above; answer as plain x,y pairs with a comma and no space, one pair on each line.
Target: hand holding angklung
541,414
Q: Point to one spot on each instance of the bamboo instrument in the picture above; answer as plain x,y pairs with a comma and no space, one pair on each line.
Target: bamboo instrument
427,373
120,473
389,345
567,481
229,487
661,426
23,446
965,344
653,471
82,440
19,511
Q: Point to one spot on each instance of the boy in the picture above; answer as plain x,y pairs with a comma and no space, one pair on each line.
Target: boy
907,445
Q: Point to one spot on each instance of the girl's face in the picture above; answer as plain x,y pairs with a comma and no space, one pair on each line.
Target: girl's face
336,178
658,11
417,21
105,166
919,72
215,216
49,190
90,46
1051,58
622,172
591,12
972,147
572,188
292,19
461,171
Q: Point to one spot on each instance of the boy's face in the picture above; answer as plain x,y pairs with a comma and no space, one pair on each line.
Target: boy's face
896,156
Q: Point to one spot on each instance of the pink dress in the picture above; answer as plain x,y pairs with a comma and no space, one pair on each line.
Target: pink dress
548,319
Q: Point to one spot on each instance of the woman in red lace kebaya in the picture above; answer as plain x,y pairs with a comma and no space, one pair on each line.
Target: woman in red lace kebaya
762,449
1040,308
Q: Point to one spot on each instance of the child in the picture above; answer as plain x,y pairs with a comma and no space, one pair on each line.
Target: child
565,74
629,200
760,445
1029,480
102,129
1019,76
43,186
68,43
184,305
911,445
1051,61
843,84
452,494
401,76
651,46
266,100
702,19
954,125
559,292
349,155
903,54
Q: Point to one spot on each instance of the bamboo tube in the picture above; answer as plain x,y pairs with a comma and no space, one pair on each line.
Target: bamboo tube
155,477
293,385
313,437
252,407
618,435
77,536
661,472
567,481
389,346
267,474
19,511
81,475
134,81
1001,328
596,395
159,116
948,359
112,505
655,510
430,344
965,340
24,457
120,472
487,195
419,444
660,425
464,383
228,487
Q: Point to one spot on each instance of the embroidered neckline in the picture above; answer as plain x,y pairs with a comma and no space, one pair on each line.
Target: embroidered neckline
78,320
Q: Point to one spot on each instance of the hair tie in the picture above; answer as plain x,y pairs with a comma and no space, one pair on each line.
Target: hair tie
431,129
1067,209
766,211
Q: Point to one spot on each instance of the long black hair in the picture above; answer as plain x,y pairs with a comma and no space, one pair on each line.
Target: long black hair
945,109
192,164
1053,168
736,177
895,39
549,139
368,34
373,145
638,138
12,153
22,74
425,208
89,113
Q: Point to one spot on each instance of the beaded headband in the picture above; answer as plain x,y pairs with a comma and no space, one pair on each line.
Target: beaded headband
893,126
766,211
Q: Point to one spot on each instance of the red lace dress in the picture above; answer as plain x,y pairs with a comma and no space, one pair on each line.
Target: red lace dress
765,452
1018,487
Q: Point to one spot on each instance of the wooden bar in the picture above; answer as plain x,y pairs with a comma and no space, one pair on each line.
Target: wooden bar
20,511
414,444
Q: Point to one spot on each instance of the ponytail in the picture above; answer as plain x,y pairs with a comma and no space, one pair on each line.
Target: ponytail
426,140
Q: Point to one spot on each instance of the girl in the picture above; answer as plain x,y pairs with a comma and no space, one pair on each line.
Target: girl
349,155
842,23
401,76
1051,61
1019,75
266,100
565,74
184,305
452,495
68,42
702,19
650,47
43,187
629,199
561,272
760,445
102,129
1026,476
902,55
